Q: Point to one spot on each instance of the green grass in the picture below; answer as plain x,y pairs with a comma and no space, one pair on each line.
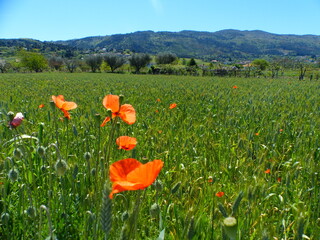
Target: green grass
231,136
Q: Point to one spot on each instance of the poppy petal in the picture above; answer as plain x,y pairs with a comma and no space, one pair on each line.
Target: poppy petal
69,105
146,173
126,142
111,102
121,186
120,169
127,113
107,119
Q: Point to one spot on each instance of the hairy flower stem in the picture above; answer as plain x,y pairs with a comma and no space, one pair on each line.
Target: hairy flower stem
108,148
135,214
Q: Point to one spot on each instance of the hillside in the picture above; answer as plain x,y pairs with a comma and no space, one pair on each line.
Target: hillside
223,44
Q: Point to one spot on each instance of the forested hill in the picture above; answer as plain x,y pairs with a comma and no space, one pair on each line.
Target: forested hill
233,44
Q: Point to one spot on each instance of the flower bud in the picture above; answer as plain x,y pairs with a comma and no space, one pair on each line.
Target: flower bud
5,217
10,115
124,216
17,153
61,167
154,210
41,151
31,212
13,175
87,156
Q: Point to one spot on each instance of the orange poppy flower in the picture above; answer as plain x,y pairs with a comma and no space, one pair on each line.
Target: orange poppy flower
63,105
130,174
257,134
235,87
172,105
220,194
41,105
126,112
279,179
281,130
158,100
126,143
267,171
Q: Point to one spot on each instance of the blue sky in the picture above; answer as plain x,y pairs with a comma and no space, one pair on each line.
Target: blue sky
48,20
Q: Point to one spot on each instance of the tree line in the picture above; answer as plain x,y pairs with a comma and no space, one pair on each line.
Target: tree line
162,63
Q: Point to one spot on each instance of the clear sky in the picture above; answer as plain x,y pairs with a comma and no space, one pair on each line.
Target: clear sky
47,20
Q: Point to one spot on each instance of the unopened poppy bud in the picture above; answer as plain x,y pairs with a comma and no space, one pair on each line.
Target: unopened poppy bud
52,105
10,115
175,188
93,171
154,210
87,156
124,216
13,175
61,167
41,151
31,211
121,97
5,217
17,153
158,185
230,227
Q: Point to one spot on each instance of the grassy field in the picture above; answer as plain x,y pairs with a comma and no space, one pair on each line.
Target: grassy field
246,148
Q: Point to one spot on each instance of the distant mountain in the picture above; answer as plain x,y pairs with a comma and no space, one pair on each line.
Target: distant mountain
223,44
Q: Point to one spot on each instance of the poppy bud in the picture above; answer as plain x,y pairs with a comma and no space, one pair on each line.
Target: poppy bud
5,217
61,167
154,210
10,116
93,171
230,227
124,216
41,151
13,175
87,156
31,212
17,153
158,185
121,97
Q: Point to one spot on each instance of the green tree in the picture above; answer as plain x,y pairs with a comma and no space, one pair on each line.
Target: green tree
139,60
33,61
94,62
166,58
192,63
55,62
261,64
114,60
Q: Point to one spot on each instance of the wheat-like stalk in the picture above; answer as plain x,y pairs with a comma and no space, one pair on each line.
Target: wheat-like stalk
106,212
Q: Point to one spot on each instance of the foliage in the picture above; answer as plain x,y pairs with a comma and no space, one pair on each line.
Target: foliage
94,62
139,60
33,61
115,61
166,58
55,62
261,64
260,138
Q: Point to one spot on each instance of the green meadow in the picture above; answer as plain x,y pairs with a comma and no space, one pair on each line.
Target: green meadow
246,148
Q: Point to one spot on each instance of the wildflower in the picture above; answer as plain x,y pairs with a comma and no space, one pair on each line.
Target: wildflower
279,179
281,130
257,134
267,171
130,174
172,105
41,106
126,112
210,179
126,143
63,105
158,100
235,87
17,120
220,194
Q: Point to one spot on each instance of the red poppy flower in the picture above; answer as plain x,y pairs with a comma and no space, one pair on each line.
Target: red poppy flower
279,179
130,174
267,171
235,87
126,112
158,100
281,130
17,120
257,134
220,194
63,105
172,105
41,105
126,143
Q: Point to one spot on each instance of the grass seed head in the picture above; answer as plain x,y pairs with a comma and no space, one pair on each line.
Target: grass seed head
154,210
